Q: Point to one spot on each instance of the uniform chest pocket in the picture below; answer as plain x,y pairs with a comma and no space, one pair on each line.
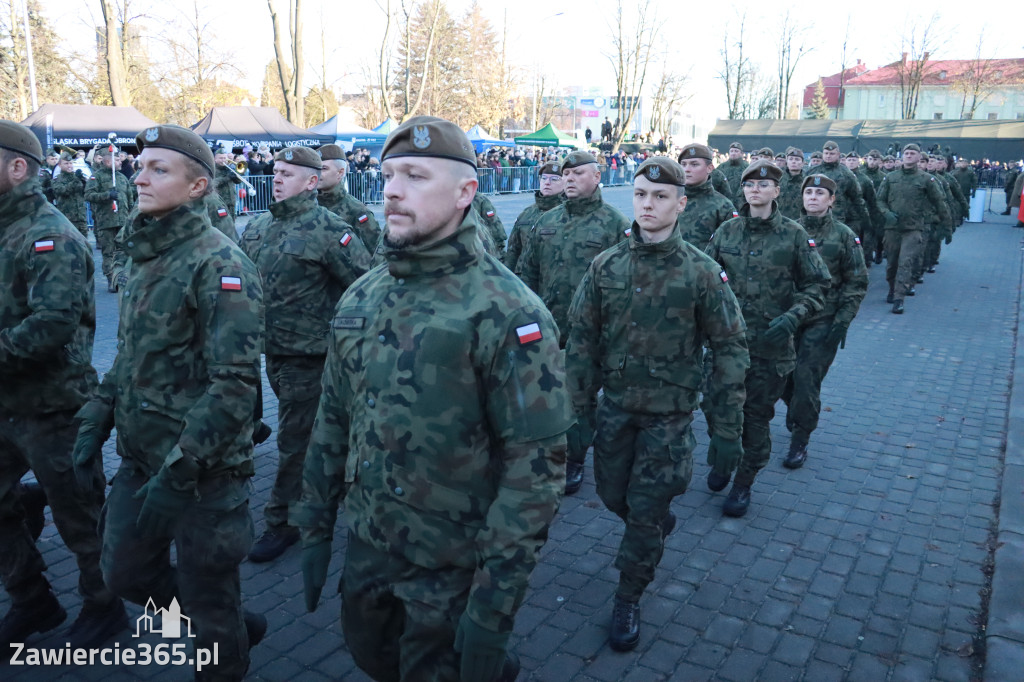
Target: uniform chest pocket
294,247
730,250
594,239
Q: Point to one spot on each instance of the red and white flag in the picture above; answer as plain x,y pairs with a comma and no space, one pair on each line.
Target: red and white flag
43,245
528,333
231,283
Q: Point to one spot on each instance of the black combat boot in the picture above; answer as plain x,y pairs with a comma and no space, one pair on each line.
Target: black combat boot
738,502
625,625
911,291
39,615
273,543
878,257
97,624
897,308
573,478
33,501
797,452
255,627
261,432
509,669
717,481
891,296
668,524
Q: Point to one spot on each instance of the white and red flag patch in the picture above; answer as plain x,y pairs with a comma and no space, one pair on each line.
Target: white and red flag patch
490,214
231,283
735,214
628,231
363,218
528,333
43,245
222,212
725,277
346,238
810,243
857,239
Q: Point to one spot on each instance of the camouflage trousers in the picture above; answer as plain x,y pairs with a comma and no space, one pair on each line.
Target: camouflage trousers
81,227
211,538
296,383
932,251
802,394
109,249
903,254
641,462
399,619
766,380
43,444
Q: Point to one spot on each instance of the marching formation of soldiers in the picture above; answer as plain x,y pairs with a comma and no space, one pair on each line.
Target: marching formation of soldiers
442,385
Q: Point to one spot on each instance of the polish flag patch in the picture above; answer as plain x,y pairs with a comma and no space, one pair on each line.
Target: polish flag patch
810,243
528,333
363,218
222,212
345,239
490,214
857,239
735,214
231,283
725,277
628,231
43,245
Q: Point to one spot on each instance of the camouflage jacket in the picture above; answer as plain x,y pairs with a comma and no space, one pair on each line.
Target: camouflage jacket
441,424
959,207
721,183
188,347
488,217
849,207
564,242
97,193
791,195
47,309
841,251
706,209
220,216
733,171
638,325
876,176
524,225
945,228
224,182
46,182
968,181
69,194
914,199
307,257
773,268
867,190
352,211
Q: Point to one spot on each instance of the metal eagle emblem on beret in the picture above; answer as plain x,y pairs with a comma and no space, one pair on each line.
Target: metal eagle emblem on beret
764,172
289,155
817,182
152,134
653,172
693,151
420,137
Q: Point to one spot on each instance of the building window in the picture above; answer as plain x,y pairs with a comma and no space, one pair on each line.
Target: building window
993,117
1020,116
942,75
881,100
937,116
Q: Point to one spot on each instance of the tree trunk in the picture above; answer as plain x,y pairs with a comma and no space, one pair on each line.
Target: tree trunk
299,68
119,95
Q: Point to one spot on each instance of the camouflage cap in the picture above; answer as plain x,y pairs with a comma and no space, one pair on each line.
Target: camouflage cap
331,152
663,170
819,180
178,139
300,156
18,138
429,136
762,170
816,155
911,147
794,151
577,158
830,145
766,151
736,145
695,151
51,154
550,168
874,154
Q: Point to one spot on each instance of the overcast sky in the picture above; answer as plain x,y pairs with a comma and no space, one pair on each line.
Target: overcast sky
570,41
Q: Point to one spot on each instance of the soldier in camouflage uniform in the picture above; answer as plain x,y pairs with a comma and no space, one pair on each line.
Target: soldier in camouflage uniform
706,208
638,324
492,223
111,207
910,200
220,216
307,257
47,324
967,178
733,172
441,428
813,162
791,203
888,164
944,231
875,224
721,183
849,207
181,394
822,334
959,209
226,181
331,194
875,249
69,193
546,198
561,248
779,279
46,175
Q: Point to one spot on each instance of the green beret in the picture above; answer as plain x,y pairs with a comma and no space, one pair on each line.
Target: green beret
64,156
911,147
766,151
888,157
577,158
830,145
223,150
762,169
695,151
178,139
874,154
18,138
332,152
104,150
550,168
819,180
662,169
300,156
852,155
793,151
429,136
815,155
51,153
736,145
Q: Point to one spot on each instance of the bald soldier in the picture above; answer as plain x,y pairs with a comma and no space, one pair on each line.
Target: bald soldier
332,195
561,248
441,429
706,209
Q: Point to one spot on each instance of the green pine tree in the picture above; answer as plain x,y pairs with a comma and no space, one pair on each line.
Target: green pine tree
819,105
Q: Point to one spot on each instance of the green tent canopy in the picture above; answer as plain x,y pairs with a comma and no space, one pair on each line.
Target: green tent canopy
548,136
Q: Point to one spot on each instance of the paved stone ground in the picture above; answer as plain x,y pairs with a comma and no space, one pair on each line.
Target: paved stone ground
867,564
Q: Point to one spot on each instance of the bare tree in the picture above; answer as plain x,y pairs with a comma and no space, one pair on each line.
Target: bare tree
633,46
912,68
736,71
977,82
791,51
290,65
841,95
667,95
427,29
116,77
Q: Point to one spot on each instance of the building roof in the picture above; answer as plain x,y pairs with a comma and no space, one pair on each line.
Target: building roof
831,84
1008,71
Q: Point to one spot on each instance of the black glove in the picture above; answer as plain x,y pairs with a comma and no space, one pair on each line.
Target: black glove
837,335
95,421
724,455
80,175
112,194
483,651
781,329
165,495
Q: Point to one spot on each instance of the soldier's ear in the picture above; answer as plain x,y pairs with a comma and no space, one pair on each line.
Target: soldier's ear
198,187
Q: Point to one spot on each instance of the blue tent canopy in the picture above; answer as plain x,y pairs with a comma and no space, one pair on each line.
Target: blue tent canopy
351,136
481,140
386,127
